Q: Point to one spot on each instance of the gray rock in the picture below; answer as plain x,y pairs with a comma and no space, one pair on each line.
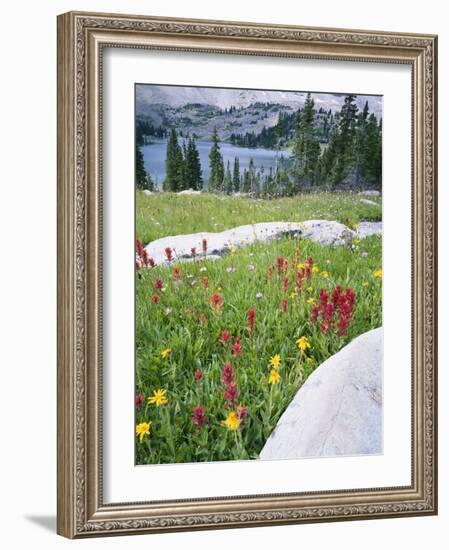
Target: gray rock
189,192
320,231
148,192
338,410
368,201
366,229
369,193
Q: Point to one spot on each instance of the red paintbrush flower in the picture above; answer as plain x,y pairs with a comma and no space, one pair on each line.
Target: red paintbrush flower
198,375
225,336
237,347
216,301
284,305
193,252
285,283
168,253
176,273
158,284
270,271
199,417
281,264
205,282
242,412
251,320
231,392
204,246
139,400
227,374
155,298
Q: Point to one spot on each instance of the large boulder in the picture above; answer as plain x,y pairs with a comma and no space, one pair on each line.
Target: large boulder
366,229
338,410
320,231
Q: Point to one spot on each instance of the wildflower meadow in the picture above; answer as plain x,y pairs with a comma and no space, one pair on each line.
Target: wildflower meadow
223,346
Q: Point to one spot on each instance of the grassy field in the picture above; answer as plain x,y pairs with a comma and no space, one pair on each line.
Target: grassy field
223,346
166,214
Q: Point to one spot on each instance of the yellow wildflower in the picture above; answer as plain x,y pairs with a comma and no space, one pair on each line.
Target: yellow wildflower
274,377
378,274
232,421
293,294
303,343
232,248
311,301
165,352
324,274
365,283
158,398
301,266
315,269
142,430
309,289
309,360
275,361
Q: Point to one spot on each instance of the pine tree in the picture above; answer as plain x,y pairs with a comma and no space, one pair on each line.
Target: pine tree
306,147
371,155
236,175
360,144
246,185
216,165
192,166
227,181
344,140
174,169
140,169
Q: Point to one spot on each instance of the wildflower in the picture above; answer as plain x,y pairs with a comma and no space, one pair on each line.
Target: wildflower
363,254
168,253
300,275
199,417
324,274
303,343
225,336
203,269
139,400
232,248
193,252
365,283
274,377
250,267
284,305
165,352
378,274
270,271
142,430
242,412
204,246
232,421
230,270
315,269
251,320
198,375
293,295
202,318
205,282
158,398
281,264
176,273
275,361
309,289
285,282
158,284
155,298
309,360
216,301
227,374
259,295
311,300
237,347
168,310
231,392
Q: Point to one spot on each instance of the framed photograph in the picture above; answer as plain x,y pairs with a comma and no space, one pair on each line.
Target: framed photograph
246,274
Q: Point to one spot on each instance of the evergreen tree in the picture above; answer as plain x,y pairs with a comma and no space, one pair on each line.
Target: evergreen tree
227,181
192,166
344,140
216,165
371,155
174,169
140,169
360,144
246,185
306,147
236,175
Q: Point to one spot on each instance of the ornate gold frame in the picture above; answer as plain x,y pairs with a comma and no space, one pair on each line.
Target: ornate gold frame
81,37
